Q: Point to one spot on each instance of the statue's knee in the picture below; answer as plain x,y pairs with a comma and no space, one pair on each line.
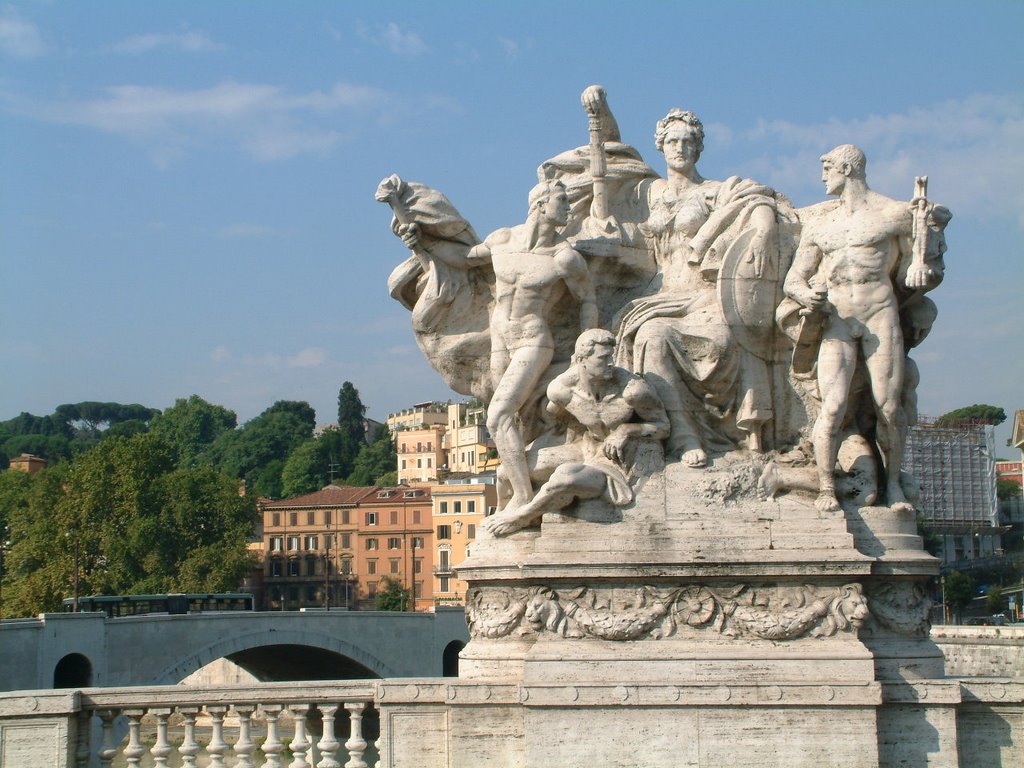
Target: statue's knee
499,413
652,337
563,477
889,411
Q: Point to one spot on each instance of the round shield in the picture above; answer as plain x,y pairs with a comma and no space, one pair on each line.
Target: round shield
748,301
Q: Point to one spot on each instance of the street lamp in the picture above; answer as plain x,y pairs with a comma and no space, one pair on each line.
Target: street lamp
3,548
945,614
347,577
329,522
72,535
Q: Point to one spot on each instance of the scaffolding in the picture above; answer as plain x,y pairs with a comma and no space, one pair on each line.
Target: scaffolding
955,469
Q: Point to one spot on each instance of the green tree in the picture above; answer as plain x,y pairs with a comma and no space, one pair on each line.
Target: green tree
193,425
374,461
1007,489
979,412
305,470
27,424
209,525
39,561
257,452
53,448
344,444
387,479
994,600
93,421
351,412
959,591
392,596
131,521
46,436
93,416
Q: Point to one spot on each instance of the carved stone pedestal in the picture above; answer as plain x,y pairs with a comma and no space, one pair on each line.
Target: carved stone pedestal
704,627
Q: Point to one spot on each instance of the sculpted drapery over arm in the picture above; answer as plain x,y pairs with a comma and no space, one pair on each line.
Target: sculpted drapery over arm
450,301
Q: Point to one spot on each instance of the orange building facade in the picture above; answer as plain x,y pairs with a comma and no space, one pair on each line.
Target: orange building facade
394,541
420,453
330,549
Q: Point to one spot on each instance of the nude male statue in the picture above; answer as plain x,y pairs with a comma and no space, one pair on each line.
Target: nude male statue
534,269
610,409
843,269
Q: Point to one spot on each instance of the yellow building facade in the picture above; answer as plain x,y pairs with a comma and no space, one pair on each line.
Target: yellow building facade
458,509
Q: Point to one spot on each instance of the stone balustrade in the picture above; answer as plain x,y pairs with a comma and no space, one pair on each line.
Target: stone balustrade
981,651
79,729
444,722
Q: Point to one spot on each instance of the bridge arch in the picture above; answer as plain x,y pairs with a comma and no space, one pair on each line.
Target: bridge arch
73,671
450,658
236,646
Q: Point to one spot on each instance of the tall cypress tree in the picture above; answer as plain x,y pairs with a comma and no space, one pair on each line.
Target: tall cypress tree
351,414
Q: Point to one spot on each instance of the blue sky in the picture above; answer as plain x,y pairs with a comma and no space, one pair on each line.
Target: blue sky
186,188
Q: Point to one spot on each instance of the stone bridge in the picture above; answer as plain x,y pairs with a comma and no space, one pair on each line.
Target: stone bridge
89,649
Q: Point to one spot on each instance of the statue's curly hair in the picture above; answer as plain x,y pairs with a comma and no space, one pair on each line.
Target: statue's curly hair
676,115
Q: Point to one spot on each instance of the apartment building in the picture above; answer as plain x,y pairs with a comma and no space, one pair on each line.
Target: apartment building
309,549
468,446
419,415
459,506
394,540
420,453
331,548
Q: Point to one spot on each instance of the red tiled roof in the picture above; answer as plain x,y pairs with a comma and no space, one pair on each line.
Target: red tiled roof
398,494
332,495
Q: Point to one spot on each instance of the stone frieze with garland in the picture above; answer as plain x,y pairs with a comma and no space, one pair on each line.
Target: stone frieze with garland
768,611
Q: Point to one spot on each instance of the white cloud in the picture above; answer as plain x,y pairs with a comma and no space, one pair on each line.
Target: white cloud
311,357
20,39
243,229
972,150
266,121
188,42
511,48
220,354
392,37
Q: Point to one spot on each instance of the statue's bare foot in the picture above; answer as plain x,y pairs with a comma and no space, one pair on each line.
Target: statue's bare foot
692,457
897,501
509,520
827,502
770,482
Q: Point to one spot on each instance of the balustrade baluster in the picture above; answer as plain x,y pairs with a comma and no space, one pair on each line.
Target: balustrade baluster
356,744
217,746
300,742
83,739
244,746
272,745
108,750
162,748
328,744
189,746
135,750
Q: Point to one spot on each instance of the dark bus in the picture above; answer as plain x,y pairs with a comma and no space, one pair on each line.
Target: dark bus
136,605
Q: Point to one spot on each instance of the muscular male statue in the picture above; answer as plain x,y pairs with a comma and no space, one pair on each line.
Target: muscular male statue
609,409
534,268
844,269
